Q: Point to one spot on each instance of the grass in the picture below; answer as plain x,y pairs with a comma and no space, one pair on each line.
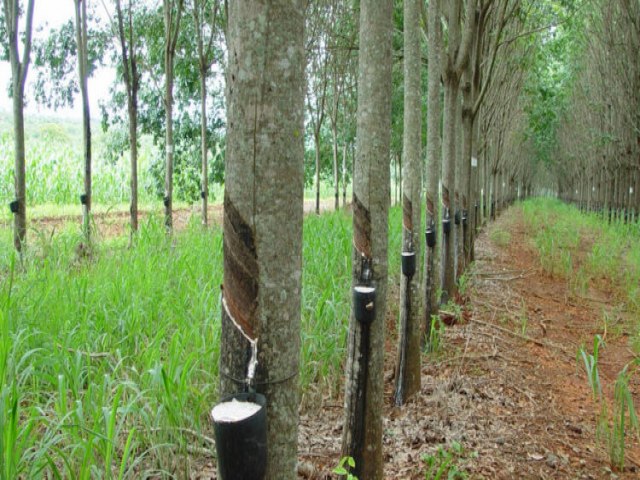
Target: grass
585,248
445,463
108,363
499,237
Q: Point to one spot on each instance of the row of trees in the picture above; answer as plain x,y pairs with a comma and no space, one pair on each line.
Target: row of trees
483,58
496,81
166,55
598,145
150,46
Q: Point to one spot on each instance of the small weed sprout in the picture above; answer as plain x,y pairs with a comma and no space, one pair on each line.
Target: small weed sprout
443,464
342,470
624,414
463,284
590,362
624,418
524,321
435,335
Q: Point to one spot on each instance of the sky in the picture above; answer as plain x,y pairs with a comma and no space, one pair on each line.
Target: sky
50,14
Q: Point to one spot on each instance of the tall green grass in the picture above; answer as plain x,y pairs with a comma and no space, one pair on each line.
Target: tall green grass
54,172
108,363
560,231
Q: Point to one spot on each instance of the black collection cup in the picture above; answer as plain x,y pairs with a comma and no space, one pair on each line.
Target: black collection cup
242,445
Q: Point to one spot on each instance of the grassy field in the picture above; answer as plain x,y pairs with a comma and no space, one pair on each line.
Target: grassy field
54,178
108,363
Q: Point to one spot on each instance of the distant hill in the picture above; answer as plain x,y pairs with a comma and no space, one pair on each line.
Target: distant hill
69,129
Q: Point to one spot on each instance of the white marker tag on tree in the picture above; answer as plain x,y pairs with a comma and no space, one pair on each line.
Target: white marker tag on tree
630,190
169,148
474,162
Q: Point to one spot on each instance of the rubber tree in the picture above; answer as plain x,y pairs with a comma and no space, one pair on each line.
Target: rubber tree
80,7
434,155
19,70
364,390
476,80
318,21
408,358
205,17
127,40
172,13
337,66
263,214
460,41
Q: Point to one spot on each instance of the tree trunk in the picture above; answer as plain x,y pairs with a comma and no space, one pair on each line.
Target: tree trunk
171,30
316,138
364,391
434,156
466,169
395,180
263,213
336,174
474,196
130,75
344,175
204,182
20,217
81,43
168,179
408,360
133,142
459,195
19,70
448,184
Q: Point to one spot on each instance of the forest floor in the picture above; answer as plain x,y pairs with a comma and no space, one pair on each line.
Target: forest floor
508,386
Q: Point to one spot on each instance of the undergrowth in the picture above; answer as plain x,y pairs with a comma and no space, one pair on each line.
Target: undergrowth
585,248
109,361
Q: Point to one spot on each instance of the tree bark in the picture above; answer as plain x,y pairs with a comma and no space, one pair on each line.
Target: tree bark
466,170
19,70
81,42
131,82
408,359
204,181
434,156
344,175
364,391
448,184
263,213
459,46
205,59
171,30
336,173
316,139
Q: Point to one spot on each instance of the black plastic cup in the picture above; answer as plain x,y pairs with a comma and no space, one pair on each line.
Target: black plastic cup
464,217
165,201
242,445
431,237
408,264
457,217
446,226
83,199
14,206
203,194
364,303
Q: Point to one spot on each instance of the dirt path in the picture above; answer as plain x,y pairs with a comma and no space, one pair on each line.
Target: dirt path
507,387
